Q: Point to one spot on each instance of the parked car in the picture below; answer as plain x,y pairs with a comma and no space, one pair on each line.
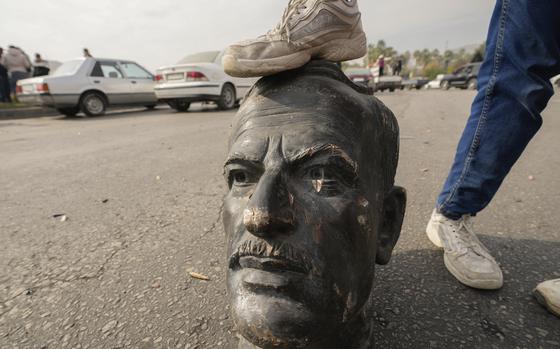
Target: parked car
200,77
466,77
385,82
436,83
359,75
90,85
414,83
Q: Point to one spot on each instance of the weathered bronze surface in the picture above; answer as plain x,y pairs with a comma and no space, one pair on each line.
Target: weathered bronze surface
311,208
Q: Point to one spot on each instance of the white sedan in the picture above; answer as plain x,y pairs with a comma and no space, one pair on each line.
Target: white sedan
200,78
90,85
435,84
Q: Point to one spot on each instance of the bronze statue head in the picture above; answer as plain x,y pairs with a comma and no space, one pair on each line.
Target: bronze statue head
311,208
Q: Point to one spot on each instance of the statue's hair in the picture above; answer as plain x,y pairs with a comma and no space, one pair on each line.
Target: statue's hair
370,119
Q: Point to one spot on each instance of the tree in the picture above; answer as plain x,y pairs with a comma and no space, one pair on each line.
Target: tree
375,50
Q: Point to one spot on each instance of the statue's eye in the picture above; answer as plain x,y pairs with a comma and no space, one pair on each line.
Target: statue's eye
321,173
239,178
324,181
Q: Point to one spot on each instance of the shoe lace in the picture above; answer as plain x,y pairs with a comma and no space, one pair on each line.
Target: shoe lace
282,29
468,239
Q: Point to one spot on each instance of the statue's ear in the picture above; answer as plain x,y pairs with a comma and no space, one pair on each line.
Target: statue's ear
392,218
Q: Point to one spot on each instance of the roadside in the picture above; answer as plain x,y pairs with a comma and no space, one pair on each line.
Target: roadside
22,111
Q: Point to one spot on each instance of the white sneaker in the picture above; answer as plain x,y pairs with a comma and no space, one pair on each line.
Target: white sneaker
465,256
309,29
548,294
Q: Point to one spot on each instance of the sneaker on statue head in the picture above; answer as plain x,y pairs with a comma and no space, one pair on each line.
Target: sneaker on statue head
309,29
465,257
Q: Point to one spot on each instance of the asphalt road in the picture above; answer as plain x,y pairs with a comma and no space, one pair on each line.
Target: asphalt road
142,191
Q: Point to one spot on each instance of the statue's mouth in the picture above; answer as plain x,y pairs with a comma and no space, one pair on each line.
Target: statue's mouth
271,264
261,255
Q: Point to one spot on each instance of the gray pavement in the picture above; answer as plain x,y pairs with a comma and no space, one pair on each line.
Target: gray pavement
142,191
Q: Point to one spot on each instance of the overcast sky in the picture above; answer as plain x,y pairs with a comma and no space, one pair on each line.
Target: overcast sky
156,33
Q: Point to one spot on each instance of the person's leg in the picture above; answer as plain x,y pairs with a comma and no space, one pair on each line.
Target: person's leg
523,53
309,29
2,92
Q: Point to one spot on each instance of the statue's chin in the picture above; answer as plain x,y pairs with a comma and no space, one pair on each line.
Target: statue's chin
275,322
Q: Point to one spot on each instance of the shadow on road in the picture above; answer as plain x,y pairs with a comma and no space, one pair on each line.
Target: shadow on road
420,305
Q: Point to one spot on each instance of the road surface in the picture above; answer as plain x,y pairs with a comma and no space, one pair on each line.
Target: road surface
102,219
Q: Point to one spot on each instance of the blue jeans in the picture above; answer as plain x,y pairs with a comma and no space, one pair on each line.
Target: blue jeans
523,54
15,77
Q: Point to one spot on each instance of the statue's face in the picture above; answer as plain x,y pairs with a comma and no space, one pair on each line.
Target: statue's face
302,229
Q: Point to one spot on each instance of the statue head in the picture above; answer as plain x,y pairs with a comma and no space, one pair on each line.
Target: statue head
311,208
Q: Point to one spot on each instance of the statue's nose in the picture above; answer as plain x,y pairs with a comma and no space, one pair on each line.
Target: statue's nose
269,211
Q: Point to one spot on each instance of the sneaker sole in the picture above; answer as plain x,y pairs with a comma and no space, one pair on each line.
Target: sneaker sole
543,301
338,50
474,283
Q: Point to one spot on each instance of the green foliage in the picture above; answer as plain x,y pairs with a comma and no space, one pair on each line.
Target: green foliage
428,63
375,50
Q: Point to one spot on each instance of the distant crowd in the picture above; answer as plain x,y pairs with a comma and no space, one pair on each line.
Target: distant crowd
16,65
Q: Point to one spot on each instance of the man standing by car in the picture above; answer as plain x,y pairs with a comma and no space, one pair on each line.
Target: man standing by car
18,66
40,66
4,81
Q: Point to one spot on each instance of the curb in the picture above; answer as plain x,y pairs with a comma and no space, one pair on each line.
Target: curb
20,113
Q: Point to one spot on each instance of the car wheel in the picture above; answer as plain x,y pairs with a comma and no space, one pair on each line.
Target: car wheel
179,105
473,84
150,107
391,90
445,85
227,98
93,104
69,111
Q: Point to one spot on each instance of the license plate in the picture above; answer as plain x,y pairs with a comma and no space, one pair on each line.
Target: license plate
27,88
176,76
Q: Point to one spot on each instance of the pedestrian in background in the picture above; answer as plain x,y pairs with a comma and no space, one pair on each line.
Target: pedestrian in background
18,65
381,64
4,81
397,69
40,66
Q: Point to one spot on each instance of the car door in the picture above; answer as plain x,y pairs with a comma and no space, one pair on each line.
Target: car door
141,83
458,76
466,76
108,77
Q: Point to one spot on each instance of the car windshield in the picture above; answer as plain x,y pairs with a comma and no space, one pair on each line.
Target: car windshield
202,57
68,68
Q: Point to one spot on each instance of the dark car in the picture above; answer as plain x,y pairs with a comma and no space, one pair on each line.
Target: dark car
359,75
414,83
466,77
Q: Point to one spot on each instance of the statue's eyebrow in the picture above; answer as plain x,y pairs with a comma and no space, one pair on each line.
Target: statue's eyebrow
325,149
242,160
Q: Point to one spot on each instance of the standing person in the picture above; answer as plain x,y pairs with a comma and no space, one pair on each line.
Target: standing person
514,88
18,66
4,81
40,66
398,67
86,53
381,65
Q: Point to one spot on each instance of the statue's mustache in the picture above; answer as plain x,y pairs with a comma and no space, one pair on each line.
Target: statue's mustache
278,250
